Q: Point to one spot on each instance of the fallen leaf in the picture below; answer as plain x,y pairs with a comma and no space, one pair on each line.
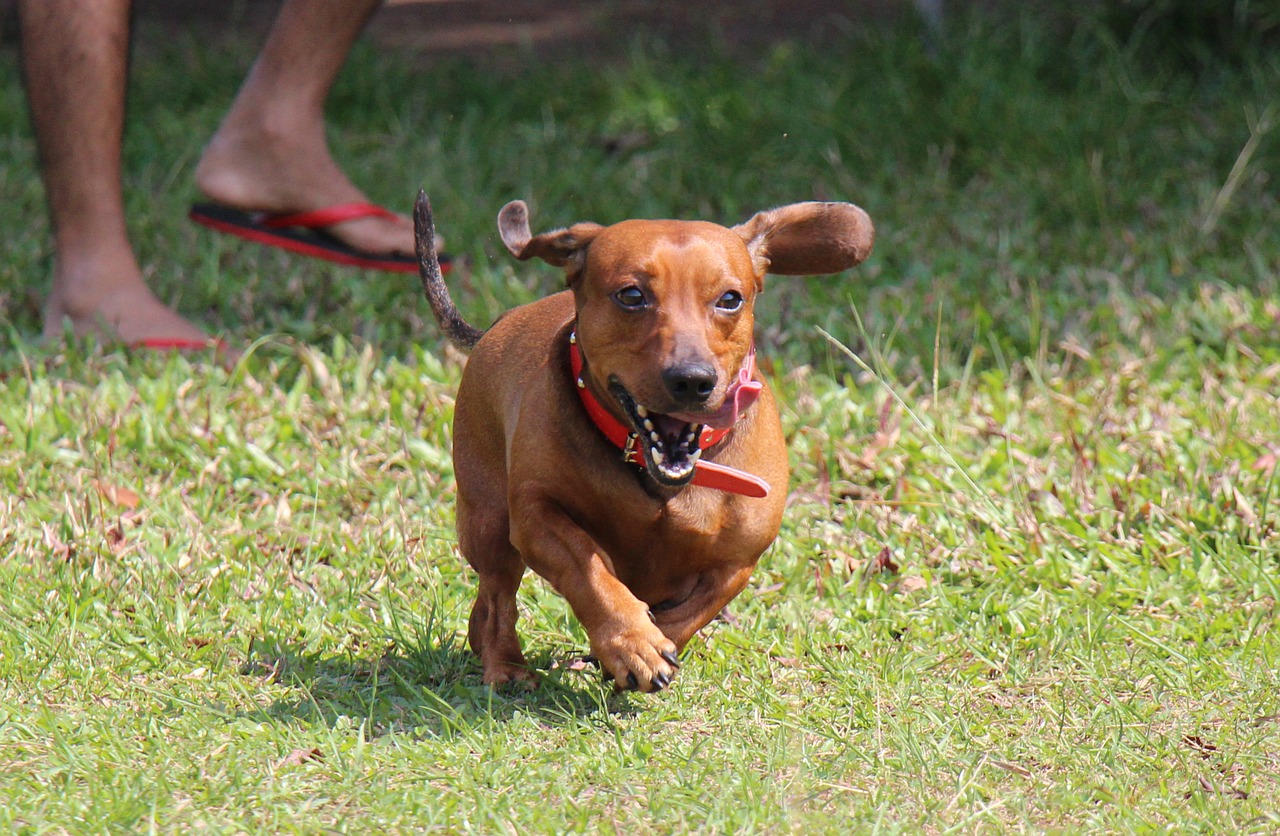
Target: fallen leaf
1049,503
912,583
1199,744
54,544
283,512
300,756
116,494
1070,346
822,487
883,562
1230,792
266,670
1012,767
1117,500
1243,508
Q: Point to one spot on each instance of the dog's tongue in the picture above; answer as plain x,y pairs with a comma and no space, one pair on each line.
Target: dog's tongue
741,395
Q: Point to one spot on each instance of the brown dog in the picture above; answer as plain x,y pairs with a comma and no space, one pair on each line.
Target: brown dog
649,350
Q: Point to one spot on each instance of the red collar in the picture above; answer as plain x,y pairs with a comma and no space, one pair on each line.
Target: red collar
706,474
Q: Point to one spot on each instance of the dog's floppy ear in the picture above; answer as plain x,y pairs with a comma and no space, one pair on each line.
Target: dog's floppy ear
808,239
558,247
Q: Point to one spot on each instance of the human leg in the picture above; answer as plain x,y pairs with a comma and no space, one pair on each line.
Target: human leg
270,153
75,61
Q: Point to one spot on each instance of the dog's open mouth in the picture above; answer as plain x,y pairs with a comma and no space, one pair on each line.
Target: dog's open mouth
671,445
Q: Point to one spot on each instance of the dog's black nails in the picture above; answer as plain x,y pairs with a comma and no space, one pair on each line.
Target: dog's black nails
660,681
671,658
651,616
632,682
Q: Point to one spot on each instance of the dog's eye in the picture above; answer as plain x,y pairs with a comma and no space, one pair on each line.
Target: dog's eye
731,300
630,298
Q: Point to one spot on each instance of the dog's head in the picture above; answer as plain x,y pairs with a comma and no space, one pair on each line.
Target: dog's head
665,309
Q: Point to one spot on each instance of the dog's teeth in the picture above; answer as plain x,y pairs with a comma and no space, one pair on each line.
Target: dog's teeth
695,455
655,438
641,411
648,425
658,458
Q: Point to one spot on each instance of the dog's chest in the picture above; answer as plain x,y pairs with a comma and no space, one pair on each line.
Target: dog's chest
685,535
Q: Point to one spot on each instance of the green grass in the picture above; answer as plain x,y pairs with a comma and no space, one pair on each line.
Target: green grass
1028,579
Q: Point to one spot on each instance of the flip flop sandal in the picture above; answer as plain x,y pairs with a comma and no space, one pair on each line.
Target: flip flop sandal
305,233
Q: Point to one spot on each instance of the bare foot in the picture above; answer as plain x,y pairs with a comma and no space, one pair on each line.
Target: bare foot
106,296
264,169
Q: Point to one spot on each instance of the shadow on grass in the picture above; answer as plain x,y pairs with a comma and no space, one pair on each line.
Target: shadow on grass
429,688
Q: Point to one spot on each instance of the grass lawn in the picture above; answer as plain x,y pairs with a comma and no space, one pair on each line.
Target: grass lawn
1028,579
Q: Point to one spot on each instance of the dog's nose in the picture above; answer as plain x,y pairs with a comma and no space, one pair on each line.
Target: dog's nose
690,383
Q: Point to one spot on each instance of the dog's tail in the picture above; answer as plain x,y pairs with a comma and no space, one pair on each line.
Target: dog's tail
461,333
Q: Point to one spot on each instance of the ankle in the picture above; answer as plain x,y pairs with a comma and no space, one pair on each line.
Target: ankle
244,163
81,282
268,127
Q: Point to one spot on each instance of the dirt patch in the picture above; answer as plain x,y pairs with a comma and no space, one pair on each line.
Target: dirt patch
546,28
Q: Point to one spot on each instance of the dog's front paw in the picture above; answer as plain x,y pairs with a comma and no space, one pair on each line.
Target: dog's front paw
638,657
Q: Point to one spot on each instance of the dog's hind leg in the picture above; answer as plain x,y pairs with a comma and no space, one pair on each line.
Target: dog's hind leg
491,632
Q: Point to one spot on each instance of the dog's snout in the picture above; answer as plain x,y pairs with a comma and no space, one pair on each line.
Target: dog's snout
690,383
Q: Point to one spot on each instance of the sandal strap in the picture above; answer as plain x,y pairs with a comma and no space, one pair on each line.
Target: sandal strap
330,215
